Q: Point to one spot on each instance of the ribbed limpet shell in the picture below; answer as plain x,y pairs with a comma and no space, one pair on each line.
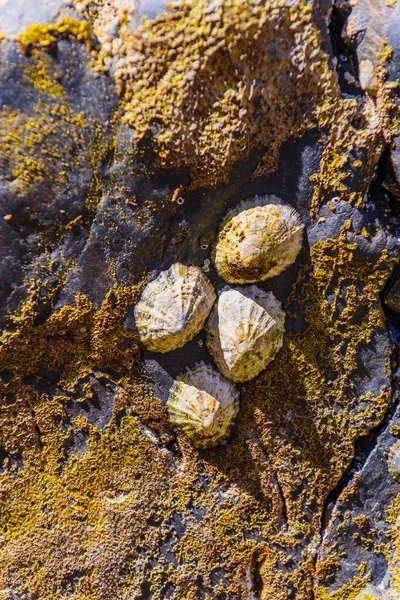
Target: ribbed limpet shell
173,308
245,331
257,240
203,405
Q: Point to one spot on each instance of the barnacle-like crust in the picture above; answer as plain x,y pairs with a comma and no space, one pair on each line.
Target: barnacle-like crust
173,308
203,405
245,331
258,240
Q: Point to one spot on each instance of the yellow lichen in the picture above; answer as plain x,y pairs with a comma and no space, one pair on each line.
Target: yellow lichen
38,75
349,591
208,128
45,35
105,488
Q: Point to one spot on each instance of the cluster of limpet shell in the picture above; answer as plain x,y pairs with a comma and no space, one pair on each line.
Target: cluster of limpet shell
258,240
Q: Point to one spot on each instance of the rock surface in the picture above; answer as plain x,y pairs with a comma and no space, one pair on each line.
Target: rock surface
120,153
16,15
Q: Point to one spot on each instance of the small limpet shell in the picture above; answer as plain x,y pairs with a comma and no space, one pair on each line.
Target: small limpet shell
257,240
173,308
203,405
355,27
245,331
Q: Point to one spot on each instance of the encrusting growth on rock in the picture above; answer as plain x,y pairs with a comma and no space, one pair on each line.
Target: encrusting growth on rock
173,308
203,405
93,479
245,331
258,240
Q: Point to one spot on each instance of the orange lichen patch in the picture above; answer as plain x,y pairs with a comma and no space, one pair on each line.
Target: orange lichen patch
31,147
40,76
307,398
266,89
393,553
326,569
109,509
356,131
278,585
43,142
87,509
75,337
349,591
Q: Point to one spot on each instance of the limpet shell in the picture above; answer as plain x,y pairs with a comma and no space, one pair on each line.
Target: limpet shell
173,308
203,405
257,240
355,27
245,331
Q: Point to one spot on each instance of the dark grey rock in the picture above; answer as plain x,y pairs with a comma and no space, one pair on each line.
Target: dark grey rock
395,154
358,524
47,207
392,297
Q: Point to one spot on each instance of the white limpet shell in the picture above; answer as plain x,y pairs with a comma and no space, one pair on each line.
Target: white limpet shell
203,405
173,308
245,331
257,240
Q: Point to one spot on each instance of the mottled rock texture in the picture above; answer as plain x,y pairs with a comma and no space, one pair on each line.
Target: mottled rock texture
120,152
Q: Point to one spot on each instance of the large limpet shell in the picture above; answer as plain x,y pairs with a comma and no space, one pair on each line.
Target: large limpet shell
257,240
203,405
245,331
173,308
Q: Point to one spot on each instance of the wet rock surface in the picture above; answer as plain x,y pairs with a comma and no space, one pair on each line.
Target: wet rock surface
100,496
